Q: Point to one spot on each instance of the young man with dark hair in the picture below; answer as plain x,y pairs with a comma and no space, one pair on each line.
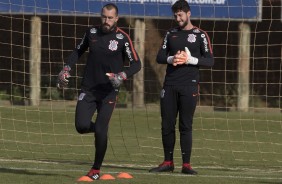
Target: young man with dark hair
104,72
184,49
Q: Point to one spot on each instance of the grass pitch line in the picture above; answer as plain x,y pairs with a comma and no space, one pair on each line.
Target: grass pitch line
245,169
28,161
158,174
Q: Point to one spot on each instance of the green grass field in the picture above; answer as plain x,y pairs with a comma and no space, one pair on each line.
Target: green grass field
40,145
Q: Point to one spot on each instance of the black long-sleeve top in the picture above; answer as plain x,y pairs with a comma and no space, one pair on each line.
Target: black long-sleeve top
107,54
198,42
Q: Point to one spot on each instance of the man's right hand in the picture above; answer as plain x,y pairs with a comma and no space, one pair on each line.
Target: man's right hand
178,59
184,57
63,76
117,79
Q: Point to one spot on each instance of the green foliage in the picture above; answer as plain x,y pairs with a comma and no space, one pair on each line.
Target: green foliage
50,93
226,95
53,93
123,97
17,96
69,94
4,95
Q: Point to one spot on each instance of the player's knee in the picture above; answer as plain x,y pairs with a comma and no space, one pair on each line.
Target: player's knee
82,129
167,131
101,131
185,129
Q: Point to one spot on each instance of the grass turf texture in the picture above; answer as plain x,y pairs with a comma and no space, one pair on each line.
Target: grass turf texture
40,145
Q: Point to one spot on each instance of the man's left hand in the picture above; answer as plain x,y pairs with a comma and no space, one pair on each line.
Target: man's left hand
184,57
180,58
117,79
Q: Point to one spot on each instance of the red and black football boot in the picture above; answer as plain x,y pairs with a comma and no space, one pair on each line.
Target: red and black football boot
187,169
166,166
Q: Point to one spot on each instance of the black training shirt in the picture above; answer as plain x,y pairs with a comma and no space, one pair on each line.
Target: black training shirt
107,54
198,42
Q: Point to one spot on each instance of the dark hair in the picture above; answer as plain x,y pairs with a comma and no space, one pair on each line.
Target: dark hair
180,5
110,6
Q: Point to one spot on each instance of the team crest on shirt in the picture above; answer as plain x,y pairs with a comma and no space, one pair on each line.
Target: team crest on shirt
191,38
113,45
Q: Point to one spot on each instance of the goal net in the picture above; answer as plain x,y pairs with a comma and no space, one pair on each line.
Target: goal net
237,124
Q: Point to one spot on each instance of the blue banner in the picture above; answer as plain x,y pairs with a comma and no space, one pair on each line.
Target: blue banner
200,9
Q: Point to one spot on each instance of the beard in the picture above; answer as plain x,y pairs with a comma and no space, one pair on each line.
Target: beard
106,28
183,25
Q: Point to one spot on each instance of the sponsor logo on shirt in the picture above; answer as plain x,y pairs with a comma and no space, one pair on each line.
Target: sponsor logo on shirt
165,40
191,38
93,30
113,45
78,47
81,96
162,93
196,31
205,42
119,36
128,51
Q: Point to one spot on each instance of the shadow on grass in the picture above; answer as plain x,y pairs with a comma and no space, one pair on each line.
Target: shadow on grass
136,168
109,166
26,172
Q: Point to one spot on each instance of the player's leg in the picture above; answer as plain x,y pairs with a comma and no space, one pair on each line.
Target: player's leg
85,108
105,109
105,106
169,111
188,101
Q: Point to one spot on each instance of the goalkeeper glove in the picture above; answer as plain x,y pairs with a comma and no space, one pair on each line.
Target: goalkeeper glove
117,79
63,76
190,60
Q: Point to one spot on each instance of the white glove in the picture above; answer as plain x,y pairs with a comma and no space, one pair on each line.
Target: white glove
170,59
191,60
63,76
117,79
177,59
